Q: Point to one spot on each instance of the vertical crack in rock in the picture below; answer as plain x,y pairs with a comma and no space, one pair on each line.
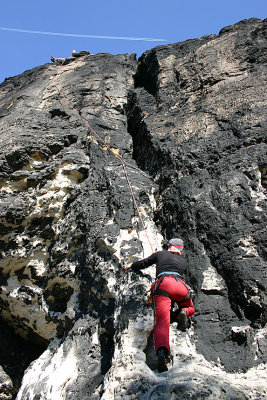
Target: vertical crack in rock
68,223
200,134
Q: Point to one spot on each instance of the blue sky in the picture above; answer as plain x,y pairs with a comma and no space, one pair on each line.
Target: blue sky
172,20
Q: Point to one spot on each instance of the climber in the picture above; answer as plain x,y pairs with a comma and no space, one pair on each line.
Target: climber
169,286
54,60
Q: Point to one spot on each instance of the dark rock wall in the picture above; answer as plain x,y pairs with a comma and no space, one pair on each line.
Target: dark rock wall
189,120
198,122
15,356
59,189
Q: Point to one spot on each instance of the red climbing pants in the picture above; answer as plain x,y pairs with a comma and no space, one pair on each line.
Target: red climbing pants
177,291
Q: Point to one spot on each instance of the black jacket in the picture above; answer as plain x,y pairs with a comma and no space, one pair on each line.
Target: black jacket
165,262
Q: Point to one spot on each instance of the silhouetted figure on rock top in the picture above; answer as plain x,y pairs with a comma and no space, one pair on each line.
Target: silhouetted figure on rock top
55,60
74,55
169,286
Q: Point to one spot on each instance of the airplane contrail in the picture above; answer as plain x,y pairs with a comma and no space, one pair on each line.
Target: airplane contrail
82,36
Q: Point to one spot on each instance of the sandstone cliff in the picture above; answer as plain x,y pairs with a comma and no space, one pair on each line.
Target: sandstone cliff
189,121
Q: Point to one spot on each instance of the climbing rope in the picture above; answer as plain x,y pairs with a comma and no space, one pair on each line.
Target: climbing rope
107,146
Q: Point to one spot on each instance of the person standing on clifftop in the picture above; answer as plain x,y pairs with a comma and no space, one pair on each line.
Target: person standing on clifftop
169,286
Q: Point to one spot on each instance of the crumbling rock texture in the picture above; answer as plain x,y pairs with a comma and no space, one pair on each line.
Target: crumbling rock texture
207,152
189,121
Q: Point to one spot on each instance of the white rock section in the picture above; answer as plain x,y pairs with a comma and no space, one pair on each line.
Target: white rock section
124,236
149,237
212,281
51,199
34,316
30,306
249,247
258,194
6,386
57,368
129,361
33,261
189,365
188,370
53,371
152,236
24,296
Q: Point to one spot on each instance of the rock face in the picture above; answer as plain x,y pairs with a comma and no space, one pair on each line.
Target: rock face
189,122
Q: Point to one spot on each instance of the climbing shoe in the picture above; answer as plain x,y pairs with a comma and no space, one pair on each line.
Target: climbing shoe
174,316
162,367
182,321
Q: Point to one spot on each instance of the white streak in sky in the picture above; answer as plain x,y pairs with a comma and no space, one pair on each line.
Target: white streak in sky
82,36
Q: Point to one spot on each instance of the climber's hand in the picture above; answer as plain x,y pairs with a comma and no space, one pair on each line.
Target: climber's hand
128,266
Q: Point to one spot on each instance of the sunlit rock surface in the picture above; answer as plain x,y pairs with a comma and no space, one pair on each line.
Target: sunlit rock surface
189,122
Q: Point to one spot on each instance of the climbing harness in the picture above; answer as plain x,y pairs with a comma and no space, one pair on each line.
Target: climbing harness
149,301
116,154
155,287
161,292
